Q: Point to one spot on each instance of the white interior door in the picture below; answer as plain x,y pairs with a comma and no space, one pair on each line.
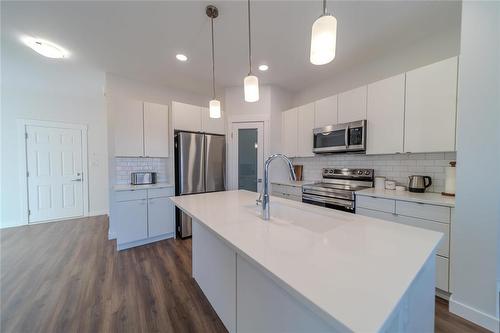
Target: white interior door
55,173
247,158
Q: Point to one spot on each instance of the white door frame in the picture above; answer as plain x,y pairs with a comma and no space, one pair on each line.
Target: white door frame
23,159
231,154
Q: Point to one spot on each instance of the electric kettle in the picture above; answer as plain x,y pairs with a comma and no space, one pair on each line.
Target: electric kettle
419,183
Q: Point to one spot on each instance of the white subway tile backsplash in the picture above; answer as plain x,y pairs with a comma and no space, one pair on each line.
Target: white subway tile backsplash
126,165
395,167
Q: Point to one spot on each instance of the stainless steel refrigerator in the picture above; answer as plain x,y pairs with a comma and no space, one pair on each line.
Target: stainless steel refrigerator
200,167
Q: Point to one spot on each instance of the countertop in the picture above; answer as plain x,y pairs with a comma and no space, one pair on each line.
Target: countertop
129,187
351,269
426,197
292,182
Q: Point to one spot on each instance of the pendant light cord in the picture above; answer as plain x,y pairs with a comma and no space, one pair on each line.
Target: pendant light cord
324,7
249,41
213,57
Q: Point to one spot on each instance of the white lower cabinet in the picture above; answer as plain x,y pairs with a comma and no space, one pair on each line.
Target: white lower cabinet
132,220
426,216
160,212
142,216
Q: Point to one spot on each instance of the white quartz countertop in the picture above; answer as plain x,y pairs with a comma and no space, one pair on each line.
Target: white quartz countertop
129,187
353,270
292,182
426,197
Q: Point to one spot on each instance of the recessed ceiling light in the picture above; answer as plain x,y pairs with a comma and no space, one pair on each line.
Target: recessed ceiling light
46,48
263,68
181,57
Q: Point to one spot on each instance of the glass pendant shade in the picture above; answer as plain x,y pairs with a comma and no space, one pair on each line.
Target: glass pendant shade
251,84
323,40
214,108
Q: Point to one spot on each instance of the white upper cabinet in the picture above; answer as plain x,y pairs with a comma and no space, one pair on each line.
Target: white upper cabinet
212,125
127,127
352,105
186,117
195,118
385,116
156,130
431,94
325,112
289,132
305,125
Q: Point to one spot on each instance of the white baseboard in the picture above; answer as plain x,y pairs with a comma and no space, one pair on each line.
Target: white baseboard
11,224
478,317
98,212
143,241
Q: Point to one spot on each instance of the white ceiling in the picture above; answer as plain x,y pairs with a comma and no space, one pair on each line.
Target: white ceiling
139,40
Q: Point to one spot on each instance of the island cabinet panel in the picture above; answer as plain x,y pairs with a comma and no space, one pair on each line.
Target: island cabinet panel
264,306
431,105
214,269
385,116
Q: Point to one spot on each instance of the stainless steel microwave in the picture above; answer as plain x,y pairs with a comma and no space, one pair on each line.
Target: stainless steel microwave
348,137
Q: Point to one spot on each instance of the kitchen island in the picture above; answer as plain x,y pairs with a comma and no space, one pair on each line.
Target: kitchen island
309,269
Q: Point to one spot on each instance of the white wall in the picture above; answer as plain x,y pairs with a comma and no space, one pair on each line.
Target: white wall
401,58
35,87
474,245
272,101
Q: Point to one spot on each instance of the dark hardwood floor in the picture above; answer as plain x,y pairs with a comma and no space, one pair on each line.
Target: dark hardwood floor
68,277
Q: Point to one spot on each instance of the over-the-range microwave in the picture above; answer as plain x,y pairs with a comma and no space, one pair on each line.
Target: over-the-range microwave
348,137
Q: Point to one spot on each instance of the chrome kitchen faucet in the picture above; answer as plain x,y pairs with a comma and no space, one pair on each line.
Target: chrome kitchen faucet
265,194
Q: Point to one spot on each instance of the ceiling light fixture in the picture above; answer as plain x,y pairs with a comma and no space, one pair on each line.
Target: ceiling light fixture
323,38
45,48
251,82
214,105
181,57
263,68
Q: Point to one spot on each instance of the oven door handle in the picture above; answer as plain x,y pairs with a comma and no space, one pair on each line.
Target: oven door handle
328,201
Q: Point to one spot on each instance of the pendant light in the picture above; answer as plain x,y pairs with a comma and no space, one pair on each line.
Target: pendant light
214,105
323,38
251,82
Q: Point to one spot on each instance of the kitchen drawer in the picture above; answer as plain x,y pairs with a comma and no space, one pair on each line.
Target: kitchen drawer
295,197
161,192
295,190
442,273
423,211
278,188
374,203
130,195
376,214
443,249
279,194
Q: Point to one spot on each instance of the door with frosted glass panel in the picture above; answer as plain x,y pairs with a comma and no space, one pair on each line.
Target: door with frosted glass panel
249,156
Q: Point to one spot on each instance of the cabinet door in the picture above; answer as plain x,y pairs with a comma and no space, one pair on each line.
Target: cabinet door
325,112
431,104
212,125
289,132
130,219
127,121
160,216
305,118
352,105
186,117
385,116
155,130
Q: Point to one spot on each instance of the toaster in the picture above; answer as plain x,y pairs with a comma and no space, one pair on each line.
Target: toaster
142,178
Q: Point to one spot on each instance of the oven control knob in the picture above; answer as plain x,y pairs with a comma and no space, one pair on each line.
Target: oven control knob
360,172
367,172
330,171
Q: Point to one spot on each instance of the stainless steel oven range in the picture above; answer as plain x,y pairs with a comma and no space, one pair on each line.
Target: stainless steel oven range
337,188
